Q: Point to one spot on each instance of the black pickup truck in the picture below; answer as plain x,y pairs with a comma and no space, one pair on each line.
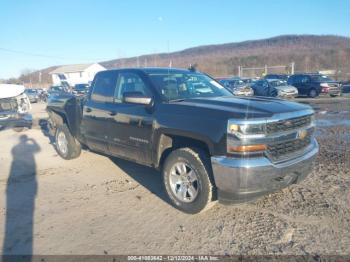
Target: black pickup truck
208,143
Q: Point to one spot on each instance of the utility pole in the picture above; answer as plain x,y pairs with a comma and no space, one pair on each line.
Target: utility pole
168,50
292,68
40,79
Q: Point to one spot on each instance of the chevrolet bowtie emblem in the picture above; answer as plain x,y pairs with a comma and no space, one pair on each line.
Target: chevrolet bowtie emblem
288,123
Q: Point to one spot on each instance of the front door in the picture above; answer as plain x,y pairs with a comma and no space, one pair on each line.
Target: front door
130,125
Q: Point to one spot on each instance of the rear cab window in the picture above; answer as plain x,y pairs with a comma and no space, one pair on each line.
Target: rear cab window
103,87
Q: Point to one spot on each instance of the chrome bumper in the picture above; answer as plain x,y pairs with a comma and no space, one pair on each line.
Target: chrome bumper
242,180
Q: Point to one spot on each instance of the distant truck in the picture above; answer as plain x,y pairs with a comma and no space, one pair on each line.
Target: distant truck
14,107
313,85
208,143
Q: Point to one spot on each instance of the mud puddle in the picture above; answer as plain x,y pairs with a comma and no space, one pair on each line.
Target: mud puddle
332,122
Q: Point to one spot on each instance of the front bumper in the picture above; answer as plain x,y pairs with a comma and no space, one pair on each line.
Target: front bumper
332,92
243,93
243,180
16,120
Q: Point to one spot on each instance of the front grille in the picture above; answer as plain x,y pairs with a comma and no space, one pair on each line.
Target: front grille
333,85
8,104
280,151
288,124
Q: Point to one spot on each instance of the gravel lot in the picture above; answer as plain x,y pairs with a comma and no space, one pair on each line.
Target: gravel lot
100,205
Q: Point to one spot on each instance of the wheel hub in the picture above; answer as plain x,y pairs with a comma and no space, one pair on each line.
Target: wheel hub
184,182
62,143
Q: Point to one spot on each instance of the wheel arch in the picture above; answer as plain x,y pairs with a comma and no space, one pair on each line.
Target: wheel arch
59,118
168,142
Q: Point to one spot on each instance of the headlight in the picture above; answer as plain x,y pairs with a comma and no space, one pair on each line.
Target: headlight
244,132
312,118
246,129
23,104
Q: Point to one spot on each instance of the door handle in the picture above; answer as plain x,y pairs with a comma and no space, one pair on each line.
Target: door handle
88,110
112,113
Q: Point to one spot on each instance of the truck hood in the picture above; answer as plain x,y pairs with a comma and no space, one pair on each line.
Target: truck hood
8,90
246,106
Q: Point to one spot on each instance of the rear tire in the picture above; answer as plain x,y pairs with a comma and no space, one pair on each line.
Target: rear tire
18,129
66,145
312,93
187,179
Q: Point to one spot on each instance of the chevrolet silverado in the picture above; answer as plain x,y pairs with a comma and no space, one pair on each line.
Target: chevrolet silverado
207,143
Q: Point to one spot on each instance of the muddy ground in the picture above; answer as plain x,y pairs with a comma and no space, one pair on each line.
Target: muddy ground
100,205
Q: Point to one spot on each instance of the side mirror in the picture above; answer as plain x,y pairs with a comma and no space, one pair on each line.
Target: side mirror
137,98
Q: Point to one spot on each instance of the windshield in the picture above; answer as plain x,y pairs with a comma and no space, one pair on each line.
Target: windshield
321,78
175,86
277,83
56,88
238,83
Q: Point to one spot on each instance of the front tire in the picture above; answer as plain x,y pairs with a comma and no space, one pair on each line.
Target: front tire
187,179
66,145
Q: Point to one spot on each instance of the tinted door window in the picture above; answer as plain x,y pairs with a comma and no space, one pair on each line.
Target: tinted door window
304,79
103,87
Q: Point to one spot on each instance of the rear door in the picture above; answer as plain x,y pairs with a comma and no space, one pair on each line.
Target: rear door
96,111
130,125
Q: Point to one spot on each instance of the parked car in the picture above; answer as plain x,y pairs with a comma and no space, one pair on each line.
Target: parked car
249,81
207,143
43,94
274,88
80,89
244,90
33,95
230,82
56,90
313,85
14,107
237,86
277,76
283,89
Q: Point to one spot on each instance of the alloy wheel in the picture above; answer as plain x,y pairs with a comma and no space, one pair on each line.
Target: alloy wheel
184,182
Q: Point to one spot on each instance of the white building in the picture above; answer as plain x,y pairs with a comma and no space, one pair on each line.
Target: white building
75,74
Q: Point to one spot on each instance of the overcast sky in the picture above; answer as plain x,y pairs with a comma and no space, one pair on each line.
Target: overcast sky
35,34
